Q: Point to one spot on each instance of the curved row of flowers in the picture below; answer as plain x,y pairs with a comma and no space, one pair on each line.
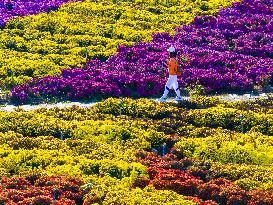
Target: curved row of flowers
231,51
10,9
44,44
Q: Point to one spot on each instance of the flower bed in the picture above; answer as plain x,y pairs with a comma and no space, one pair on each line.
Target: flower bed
35,189
10,9
213,53
173,174
207,159
45,44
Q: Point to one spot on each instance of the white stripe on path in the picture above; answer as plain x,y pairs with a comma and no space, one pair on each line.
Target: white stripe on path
12,108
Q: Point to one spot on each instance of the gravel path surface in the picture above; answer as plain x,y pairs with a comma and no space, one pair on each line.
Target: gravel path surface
228,97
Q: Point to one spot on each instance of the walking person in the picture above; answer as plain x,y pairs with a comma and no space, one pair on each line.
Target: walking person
174,71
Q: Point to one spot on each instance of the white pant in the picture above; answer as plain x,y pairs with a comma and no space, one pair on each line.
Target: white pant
171,83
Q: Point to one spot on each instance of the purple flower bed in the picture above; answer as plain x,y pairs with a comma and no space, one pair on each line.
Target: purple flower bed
12,8
233,51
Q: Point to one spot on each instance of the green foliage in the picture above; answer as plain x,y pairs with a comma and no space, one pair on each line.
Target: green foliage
111,191
230,147
137,108
151,196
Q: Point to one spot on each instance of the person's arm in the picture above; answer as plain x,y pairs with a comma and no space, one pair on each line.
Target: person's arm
178,68
165,64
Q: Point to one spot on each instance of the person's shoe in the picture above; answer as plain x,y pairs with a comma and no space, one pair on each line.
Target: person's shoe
162,99
178,98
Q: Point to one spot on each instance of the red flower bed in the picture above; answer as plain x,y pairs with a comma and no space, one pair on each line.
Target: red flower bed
179,181
38,190
170,173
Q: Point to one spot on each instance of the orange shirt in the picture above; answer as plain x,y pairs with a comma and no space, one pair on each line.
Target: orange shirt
172,66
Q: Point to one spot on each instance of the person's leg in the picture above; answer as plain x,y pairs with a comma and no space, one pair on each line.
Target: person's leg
166,92
176,88
167,87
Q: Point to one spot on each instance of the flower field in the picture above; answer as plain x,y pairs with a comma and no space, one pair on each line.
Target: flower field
120,153
228,52
45,44
127,149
